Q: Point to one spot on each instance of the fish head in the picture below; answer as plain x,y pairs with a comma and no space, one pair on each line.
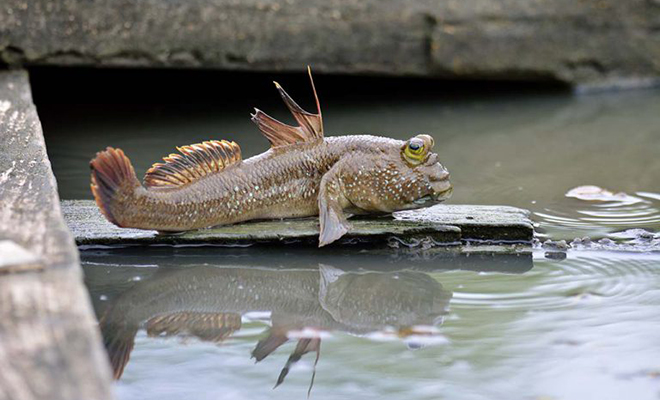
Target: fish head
402,176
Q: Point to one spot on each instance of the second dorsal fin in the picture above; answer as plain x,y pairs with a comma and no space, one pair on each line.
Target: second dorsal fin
280,134
207,326
194,162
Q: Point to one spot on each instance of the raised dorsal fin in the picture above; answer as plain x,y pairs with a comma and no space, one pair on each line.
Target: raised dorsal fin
280,134
194,162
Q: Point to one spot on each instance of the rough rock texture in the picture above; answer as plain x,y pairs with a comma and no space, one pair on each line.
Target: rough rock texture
49,344
448,225
591,42
29,207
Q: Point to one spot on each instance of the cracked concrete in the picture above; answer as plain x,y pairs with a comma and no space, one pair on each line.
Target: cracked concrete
588,43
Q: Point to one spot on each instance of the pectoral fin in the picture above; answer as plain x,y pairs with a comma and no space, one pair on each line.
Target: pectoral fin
332,218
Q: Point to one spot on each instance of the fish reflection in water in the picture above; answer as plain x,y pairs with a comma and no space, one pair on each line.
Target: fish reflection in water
208,303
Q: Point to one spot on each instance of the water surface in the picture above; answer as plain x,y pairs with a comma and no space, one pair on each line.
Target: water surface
389,327
393,324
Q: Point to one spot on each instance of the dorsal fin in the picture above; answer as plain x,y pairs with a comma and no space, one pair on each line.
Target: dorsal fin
194,162
280,134
207,326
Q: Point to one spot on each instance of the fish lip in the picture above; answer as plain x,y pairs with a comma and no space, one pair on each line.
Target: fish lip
442,189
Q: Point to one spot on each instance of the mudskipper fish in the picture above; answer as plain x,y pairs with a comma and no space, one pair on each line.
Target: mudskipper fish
303,174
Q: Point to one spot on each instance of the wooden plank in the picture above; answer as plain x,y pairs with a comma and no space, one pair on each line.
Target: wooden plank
444,225
50,347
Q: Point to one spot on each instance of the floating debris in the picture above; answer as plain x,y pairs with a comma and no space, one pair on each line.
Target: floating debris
596,193
639,234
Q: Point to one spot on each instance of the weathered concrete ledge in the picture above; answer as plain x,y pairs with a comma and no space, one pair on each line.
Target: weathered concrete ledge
592,43
442,225
49,344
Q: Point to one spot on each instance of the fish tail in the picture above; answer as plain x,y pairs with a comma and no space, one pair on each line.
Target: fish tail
113,181
119,342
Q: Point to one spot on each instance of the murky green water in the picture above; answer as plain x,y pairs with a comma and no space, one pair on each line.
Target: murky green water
398,325
389,327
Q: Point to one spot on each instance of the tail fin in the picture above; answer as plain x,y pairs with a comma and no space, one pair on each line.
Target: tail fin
118,339
112,174
119,342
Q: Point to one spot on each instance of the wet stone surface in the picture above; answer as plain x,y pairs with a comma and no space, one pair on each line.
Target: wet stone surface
29,207
442,225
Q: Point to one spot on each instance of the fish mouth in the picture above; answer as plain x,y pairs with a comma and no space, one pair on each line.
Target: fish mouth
424,200
442,190
434,198
444,195
439,186
439,180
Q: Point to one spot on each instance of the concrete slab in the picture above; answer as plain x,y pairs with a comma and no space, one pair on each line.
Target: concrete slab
442,225
50,347
610,43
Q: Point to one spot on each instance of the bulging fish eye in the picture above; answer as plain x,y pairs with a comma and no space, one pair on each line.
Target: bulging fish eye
416,145
416,149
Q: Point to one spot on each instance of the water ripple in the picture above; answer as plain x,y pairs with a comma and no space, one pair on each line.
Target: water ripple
581,280
600,213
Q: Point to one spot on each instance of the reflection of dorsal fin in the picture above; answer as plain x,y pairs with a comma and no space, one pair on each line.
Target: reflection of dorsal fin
194,162
210,327
266,346
303,347
279,134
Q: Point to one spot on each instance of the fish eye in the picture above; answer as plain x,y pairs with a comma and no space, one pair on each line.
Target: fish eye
415,151
416,145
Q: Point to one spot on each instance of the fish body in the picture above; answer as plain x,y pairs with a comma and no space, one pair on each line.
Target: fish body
303,174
